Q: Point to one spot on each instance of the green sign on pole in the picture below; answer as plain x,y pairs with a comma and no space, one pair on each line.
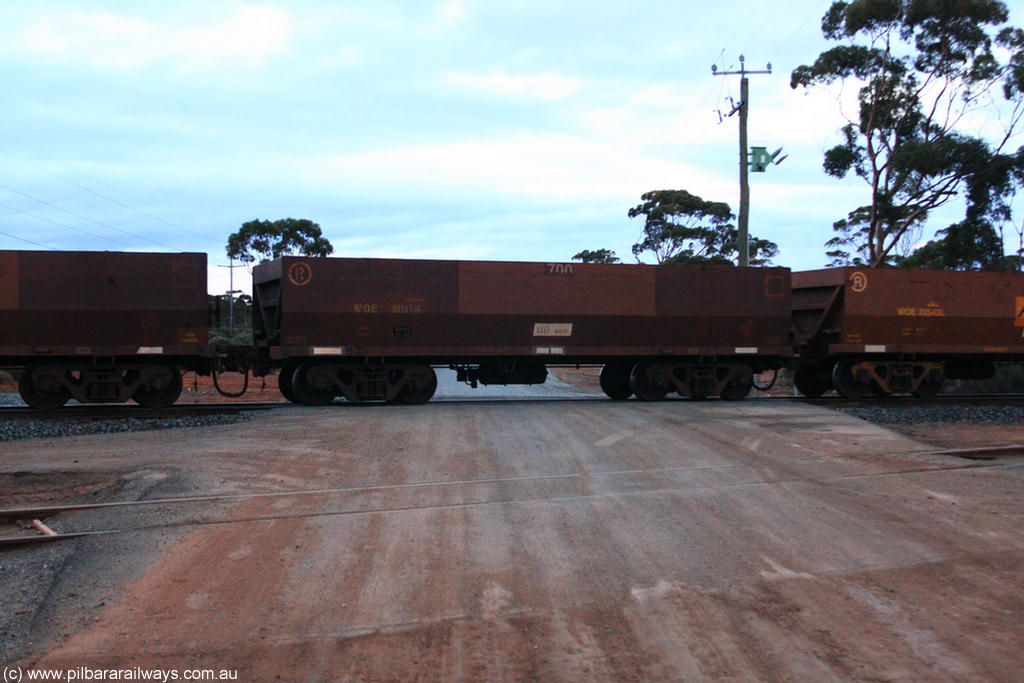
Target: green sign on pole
759,159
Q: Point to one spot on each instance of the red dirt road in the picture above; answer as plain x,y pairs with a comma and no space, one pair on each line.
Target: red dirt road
556,541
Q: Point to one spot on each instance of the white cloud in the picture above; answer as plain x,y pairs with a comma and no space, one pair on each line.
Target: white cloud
831,200
244,36
451,13
543,166
462,250
546,86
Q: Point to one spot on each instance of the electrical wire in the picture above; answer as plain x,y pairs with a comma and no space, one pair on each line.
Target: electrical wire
742,27
102,196
63,225
85,218
817,12
22,239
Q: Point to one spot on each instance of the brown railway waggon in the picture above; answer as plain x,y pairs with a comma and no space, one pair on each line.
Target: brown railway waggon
374,329
870,331
102,326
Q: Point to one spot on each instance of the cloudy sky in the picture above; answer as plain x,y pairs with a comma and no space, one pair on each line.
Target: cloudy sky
469,129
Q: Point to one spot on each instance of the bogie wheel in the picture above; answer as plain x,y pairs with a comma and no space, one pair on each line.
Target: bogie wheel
880,382
930,385
160,389
737,387
284,379
311,385
419,389
615,381
41,390
846,383
644,386
811,383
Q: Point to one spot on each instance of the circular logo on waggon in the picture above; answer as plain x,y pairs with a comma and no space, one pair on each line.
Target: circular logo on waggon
300,273
858,281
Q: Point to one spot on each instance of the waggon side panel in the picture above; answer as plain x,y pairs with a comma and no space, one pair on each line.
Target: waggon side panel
919,311
102,303
726,306
555,289
441,309
9,281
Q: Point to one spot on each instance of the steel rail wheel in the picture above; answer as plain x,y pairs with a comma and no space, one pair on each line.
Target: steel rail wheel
930,385
312,384
738,386
812,383
615,381
419,389
160,387
41,389
847,383
284,379
646,387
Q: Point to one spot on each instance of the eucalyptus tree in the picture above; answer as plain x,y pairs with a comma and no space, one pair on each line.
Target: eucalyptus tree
596,256
939,101
680,227
267,240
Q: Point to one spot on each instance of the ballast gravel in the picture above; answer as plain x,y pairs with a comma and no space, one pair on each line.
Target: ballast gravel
891,413
9,399
11,430
894,414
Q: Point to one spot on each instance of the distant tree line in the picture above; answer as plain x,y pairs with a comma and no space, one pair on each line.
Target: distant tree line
231,327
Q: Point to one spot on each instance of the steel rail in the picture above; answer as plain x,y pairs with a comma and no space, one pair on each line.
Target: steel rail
24,513
122,410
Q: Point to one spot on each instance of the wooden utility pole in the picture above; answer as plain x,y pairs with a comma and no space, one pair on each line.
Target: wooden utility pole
231,293
743,237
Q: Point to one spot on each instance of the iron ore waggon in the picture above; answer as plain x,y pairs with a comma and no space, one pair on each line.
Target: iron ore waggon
113,327
870,331
375,329
102,326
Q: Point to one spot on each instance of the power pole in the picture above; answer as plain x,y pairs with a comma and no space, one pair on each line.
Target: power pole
743,238
231,293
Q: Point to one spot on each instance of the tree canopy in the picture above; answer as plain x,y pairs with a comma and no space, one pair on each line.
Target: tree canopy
267,240
596,256
680,227
932,74
977,242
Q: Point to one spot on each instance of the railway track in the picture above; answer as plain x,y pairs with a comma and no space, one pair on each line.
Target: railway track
31,516
123,410
903,401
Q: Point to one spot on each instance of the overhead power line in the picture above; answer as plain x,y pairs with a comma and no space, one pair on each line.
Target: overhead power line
103,196
762,25
63,225
22,239
85,218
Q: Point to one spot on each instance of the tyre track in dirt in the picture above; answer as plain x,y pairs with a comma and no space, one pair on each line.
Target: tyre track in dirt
683,541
